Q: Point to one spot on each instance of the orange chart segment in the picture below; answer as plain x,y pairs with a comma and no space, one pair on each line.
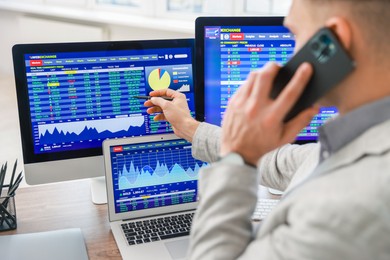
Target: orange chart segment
159,79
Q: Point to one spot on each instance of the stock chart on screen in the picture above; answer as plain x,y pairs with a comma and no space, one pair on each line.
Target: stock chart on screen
153,175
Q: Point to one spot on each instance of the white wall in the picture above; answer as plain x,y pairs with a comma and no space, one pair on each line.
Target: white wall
9,35
16,27
37,30
20,28
120,33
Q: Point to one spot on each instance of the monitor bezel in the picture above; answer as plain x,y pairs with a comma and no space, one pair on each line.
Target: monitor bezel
200,24
18,52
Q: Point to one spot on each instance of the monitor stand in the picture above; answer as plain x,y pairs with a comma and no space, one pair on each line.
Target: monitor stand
98,190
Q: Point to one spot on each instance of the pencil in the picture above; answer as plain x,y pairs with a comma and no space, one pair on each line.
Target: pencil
149,97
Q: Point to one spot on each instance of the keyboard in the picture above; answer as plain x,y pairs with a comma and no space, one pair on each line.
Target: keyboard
146,231
140,232
263,208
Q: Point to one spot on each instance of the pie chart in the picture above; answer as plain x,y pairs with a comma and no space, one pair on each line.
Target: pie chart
159,79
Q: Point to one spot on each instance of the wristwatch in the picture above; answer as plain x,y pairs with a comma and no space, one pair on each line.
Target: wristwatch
235,159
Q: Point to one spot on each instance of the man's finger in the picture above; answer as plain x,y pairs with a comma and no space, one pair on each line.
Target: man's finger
148,103
244,91
263,83
295,125
153,110
290,94
165,92
160,117
158,93
162,103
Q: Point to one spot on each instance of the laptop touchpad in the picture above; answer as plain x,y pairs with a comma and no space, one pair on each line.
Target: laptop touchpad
178,249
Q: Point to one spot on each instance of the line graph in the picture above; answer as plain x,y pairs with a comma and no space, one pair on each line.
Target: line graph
156,167
91,129
184,88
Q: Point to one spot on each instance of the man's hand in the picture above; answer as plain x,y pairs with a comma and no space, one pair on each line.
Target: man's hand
175,112
253,123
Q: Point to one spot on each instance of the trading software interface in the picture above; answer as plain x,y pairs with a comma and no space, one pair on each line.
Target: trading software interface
153,175
79,99
231,52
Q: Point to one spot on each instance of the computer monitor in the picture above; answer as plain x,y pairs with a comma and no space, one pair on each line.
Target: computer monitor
227,49
73,96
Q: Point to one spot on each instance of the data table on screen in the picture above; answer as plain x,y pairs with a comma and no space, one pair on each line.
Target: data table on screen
79,99
232,52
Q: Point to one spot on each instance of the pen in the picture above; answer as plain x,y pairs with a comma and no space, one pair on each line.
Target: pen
2,177
13,173
149,97
11,191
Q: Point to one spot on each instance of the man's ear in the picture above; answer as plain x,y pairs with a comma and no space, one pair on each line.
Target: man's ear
342,29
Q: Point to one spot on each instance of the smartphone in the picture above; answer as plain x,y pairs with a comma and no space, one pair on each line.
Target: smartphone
331,64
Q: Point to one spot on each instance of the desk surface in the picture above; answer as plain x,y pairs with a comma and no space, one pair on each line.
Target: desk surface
66,205
69,205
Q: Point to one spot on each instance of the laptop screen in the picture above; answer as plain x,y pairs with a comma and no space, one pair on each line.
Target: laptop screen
231,51
154,174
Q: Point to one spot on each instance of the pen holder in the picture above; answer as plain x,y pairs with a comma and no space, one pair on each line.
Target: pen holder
7,213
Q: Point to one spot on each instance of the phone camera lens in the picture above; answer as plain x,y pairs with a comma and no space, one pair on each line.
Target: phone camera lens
326,52
325,39
315,46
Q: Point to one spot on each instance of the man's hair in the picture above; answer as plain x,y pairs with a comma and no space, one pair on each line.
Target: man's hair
373,16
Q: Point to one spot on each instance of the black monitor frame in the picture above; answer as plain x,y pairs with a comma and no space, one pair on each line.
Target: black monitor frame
20,50
200,24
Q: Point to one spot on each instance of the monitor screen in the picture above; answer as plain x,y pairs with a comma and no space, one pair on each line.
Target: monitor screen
232,47
153,174
71,97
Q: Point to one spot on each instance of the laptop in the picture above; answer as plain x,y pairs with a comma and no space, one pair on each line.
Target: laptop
63,244
152,194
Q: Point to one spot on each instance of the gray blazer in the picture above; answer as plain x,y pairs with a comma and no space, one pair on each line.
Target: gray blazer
339,209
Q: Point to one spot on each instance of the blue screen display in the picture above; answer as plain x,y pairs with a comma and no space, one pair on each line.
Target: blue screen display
79,99
232,52
153,175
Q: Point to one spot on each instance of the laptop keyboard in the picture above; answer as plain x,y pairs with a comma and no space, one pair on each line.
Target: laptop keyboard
140,232
263,208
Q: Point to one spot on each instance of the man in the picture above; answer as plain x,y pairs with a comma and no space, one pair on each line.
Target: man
341,210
